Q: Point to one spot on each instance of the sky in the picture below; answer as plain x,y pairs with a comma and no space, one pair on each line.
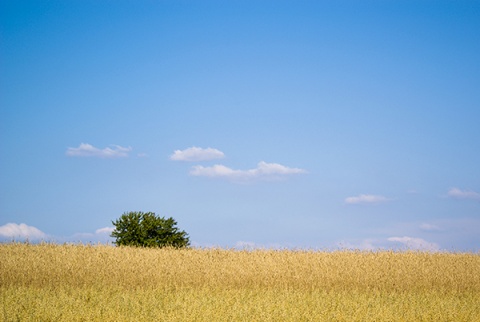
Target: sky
269,124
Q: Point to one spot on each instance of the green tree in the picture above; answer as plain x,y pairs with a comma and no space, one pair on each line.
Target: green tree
148,230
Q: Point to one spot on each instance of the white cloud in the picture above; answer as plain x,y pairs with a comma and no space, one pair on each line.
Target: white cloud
217,170
368,244
197,154
101,235
366,199
263,170
249,245
21,231
463,194
12,231
246,245
429,227
87,150
413,243
105,230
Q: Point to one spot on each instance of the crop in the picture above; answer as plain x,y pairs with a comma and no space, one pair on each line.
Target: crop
49,282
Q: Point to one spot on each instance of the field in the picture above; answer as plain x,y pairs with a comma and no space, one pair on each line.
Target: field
49,282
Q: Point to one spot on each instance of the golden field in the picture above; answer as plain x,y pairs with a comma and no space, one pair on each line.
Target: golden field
48,282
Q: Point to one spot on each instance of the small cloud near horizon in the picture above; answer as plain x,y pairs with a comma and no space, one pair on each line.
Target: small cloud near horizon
246,245
366,199
463,194
368,244
13,231
413,243
194,154
21,231
263,170
101,235
105,230
88,150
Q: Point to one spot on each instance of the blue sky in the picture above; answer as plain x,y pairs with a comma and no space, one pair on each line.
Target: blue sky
311,124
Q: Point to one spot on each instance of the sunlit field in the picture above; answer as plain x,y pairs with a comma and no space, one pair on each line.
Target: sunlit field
48,282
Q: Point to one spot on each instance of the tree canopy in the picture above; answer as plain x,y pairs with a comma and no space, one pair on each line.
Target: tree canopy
148,230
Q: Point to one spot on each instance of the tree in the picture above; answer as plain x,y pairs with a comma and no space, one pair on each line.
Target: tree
148,230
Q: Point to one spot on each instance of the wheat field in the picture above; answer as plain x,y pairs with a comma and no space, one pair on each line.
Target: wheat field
49,282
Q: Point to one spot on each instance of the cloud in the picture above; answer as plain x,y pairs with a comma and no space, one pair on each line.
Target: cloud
197,154
368,244
429,227
366,199
413,243
246,245
87,150
101,235
105,230
249,245
13,231
463,194
263,170
21,231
